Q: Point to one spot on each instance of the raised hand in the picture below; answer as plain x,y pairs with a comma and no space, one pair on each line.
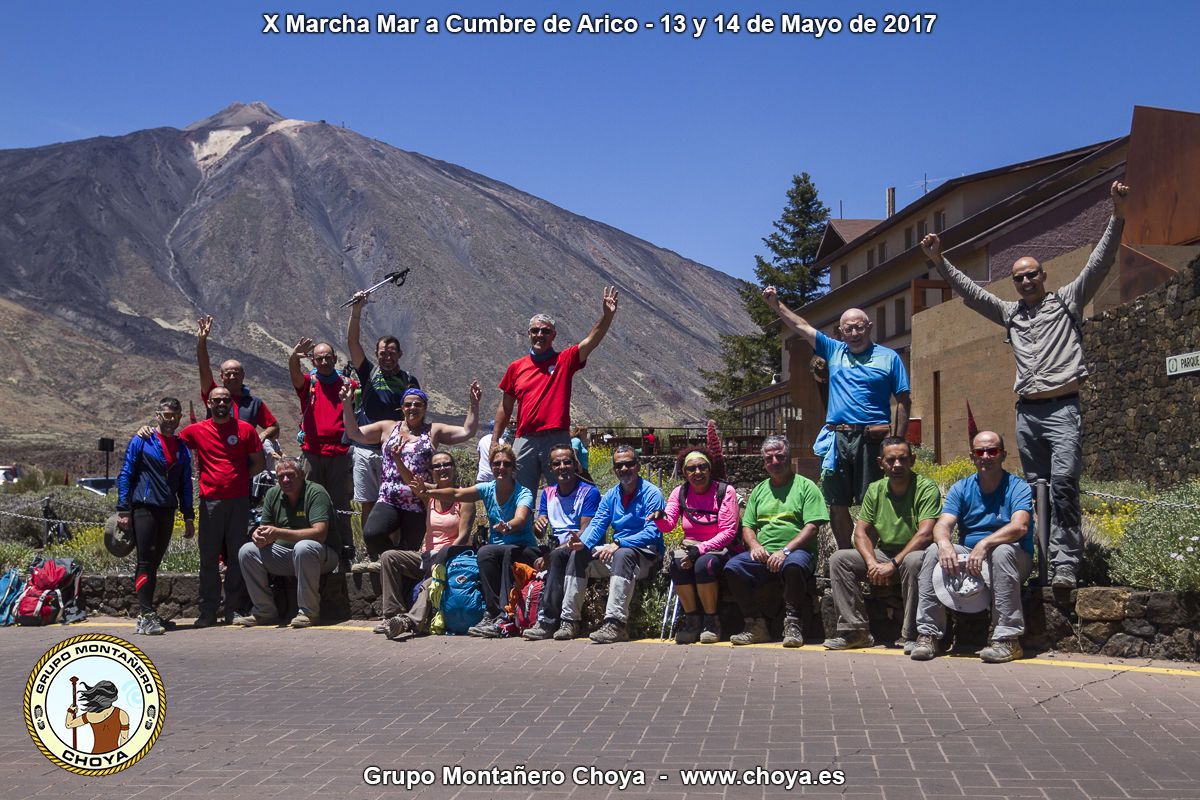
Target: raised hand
203,327
932,246
610,300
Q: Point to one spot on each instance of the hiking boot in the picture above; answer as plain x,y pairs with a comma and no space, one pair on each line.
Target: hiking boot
924,648
249,620
539,632
906,644
851,640
793,634
1064,578
486,627
689,632
1002,651
207,619
567,630
150,625
397,625
365,566
381,627
610,632
301,620
756,631
712,629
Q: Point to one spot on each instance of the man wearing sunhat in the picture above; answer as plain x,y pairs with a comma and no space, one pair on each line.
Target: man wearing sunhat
993,510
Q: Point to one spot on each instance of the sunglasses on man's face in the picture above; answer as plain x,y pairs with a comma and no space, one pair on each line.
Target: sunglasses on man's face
1027,276
505,464
980,452
625,465
566,462
542,331
447,465
170,416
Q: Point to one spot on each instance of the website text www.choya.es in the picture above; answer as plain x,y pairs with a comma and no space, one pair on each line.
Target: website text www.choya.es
584,775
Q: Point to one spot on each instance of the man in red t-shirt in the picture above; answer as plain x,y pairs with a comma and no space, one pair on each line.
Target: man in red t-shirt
246,406
325,447
540,386
228,452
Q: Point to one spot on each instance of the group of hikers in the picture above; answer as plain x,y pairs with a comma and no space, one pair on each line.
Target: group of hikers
366,437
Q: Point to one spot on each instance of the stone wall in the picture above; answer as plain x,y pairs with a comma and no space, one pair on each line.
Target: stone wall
1139,424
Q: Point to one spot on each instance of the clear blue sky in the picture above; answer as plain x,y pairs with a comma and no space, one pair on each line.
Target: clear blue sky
687,142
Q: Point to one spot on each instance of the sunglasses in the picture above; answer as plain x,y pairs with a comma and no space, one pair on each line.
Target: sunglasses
506,464
170,416
566,462
980,452
323,359
771,458
447,465
854,328
696,468
413,405
1027,275
221,401
625,465
542,331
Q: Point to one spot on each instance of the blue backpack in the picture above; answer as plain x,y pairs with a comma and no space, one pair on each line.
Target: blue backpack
462,601
10,591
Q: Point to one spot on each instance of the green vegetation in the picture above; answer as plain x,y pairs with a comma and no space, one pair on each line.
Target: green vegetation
1159,547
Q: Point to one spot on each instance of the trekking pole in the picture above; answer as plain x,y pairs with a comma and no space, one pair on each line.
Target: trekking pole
662,633
1042,487
392,277
75,705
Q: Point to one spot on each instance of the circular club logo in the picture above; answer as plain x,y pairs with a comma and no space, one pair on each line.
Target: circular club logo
94,704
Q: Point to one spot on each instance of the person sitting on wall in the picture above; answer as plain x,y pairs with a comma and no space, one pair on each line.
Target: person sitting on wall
447,526
779,526
709,510
510,533
993,510
296,537
635,552
567,507
894,527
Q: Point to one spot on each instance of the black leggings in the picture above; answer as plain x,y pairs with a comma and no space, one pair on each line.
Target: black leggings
152,527
383,520
706,570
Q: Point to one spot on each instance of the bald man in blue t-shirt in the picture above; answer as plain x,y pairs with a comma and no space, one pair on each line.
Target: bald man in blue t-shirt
863,378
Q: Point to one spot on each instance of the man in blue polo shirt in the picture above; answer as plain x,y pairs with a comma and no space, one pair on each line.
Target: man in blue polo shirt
863,378
993,510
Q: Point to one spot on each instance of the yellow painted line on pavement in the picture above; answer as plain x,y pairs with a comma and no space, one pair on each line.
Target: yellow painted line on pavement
1037,661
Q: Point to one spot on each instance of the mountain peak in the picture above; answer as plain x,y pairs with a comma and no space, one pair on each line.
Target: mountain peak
238,115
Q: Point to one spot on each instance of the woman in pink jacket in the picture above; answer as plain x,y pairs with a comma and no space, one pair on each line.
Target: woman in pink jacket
708,509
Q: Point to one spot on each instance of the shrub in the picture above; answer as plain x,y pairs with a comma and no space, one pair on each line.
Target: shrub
1160,547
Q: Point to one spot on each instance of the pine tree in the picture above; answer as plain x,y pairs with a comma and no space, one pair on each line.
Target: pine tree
749,360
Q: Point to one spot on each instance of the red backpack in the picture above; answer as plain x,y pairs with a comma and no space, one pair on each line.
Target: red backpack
41,602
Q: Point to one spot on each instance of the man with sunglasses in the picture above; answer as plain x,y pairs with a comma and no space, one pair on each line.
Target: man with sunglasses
228,452
539,385
863,379
1044,330
993,510
325,446
246,406
635,552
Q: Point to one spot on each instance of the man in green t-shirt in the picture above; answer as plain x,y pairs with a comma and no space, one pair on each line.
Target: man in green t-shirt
295,538
780,524
894,527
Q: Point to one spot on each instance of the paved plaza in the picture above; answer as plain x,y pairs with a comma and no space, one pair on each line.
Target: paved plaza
265,713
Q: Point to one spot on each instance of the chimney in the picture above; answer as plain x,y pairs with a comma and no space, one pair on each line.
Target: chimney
891,201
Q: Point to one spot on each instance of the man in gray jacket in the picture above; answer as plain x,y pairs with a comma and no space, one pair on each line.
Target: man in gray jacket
1043,328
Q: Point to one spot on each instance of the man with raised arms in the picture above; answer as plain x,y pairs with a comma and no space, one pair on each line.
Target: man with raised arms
246,406
1044,330
863,377
539,385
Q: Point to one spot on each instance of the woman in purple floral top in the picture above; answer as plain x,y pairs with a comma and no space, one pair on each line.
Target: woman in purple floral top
408,448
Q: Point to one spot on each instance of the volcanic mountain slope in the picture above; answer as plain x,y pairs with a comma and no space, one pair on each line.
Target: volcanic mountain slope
110,248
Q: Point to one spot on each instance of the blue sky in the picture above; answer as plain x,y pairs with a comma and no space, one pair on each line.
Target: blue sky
687,142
